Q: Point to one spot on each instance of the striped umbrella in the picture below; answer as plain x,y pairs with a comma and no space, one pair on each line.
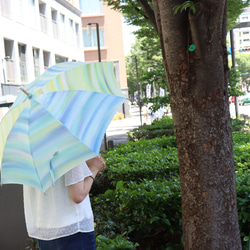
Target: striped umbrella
56,122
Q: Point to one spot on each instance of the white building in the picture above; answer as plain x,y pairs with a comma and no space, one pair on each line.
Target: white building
36,34
242,35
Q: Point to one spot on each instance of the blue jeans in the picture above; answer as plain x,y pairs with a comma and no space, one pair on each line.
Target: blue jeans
78,241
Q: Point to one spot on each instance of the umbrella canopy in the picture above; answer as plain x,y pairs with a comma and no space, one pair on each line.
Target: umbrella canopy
57,122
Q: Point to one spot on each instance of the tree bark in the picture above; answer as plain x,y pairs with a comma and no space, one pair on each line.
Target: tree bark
198,85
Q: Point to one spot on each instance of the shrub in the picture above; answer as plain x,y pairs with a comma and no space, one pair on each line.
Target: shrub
239,125
118,242
241,147
136,161
165,126
243,203
149,212
158,128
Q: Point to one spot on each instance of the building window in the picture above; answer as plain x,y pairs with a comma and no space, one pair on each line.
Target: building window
46,59
9,62
19,15
62,27
244,18
245,32
246,40
54,23
71,31
60,59
43,20
22,62
32,14
91,7
77,35
36,53
90,41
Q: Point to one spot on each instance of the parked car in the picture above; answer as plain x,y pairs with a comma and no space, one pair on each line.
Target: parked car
244,99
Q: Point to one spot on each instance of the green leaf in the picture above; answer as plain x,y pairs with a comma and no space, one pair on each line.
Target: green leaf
246,238
153,219
185,6
119,185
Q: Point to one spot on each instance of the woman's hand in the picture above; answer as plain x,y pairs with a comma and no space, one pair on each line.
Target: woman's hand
96,164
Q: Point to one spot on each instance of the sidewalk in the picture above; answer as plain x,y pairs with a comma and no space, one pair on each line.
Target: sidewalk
117,130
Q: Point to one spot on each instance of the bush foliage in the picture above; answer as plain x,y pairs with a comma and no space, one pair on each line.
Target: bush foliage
137,200
159,128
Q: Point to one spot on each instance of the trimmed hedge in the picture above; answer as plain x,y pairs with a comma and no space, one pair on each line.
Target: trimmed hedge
158,128
165,126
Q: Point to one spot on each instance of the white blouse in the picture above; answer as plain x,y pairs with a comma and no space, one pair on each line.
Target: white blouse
53,215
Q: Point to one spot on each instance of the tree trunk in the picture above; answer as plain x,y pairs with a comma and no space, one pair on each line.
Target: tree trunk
198,85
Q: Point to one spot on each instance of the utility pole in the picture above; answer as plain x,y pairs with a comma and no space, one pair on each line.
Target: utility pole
99,59
138,88
233,66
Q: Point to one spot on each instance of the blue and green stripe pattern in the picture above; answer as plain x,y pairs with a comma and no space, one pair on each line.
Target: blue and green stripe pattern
59,124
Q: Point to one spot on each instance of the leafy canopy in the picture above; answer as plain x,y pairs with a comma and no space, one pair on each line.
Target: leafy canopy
147,46
134,13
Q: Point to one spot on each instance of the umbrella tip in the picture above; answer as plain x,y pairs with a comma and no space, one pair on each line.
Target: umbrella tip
27,93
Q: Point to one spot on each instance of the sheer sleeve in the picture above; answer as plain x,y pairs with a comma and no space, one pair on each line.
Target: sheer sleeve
77,174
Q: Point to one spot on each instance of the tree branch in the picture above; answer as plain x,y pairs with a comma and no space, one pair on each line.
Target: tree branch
149,12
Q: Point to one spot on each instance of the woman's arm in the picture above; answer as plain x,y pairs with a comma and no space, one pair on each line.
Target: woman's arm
80,190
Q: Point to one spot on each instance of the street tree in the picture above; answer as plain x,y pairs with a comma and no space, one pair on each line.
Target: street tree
146,53
194,51
233,84
195,59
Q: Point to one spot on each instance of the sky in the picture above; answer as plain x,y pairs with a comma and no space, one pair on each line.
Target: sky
128,37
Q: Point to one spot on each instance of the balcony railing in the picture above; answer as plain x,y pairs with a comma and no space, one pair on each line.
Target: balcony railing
77,40
23,71
5,7
36,70
9,71
43,22
55,28
71,37
62,34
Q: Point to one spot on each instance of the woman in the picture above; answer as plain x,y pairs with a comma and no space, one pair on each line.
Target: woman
62,218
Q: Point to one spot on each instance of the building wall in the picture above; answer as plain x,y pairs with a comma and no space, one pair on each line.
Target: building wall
242,35
113,50
114,40
22,24
30,23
